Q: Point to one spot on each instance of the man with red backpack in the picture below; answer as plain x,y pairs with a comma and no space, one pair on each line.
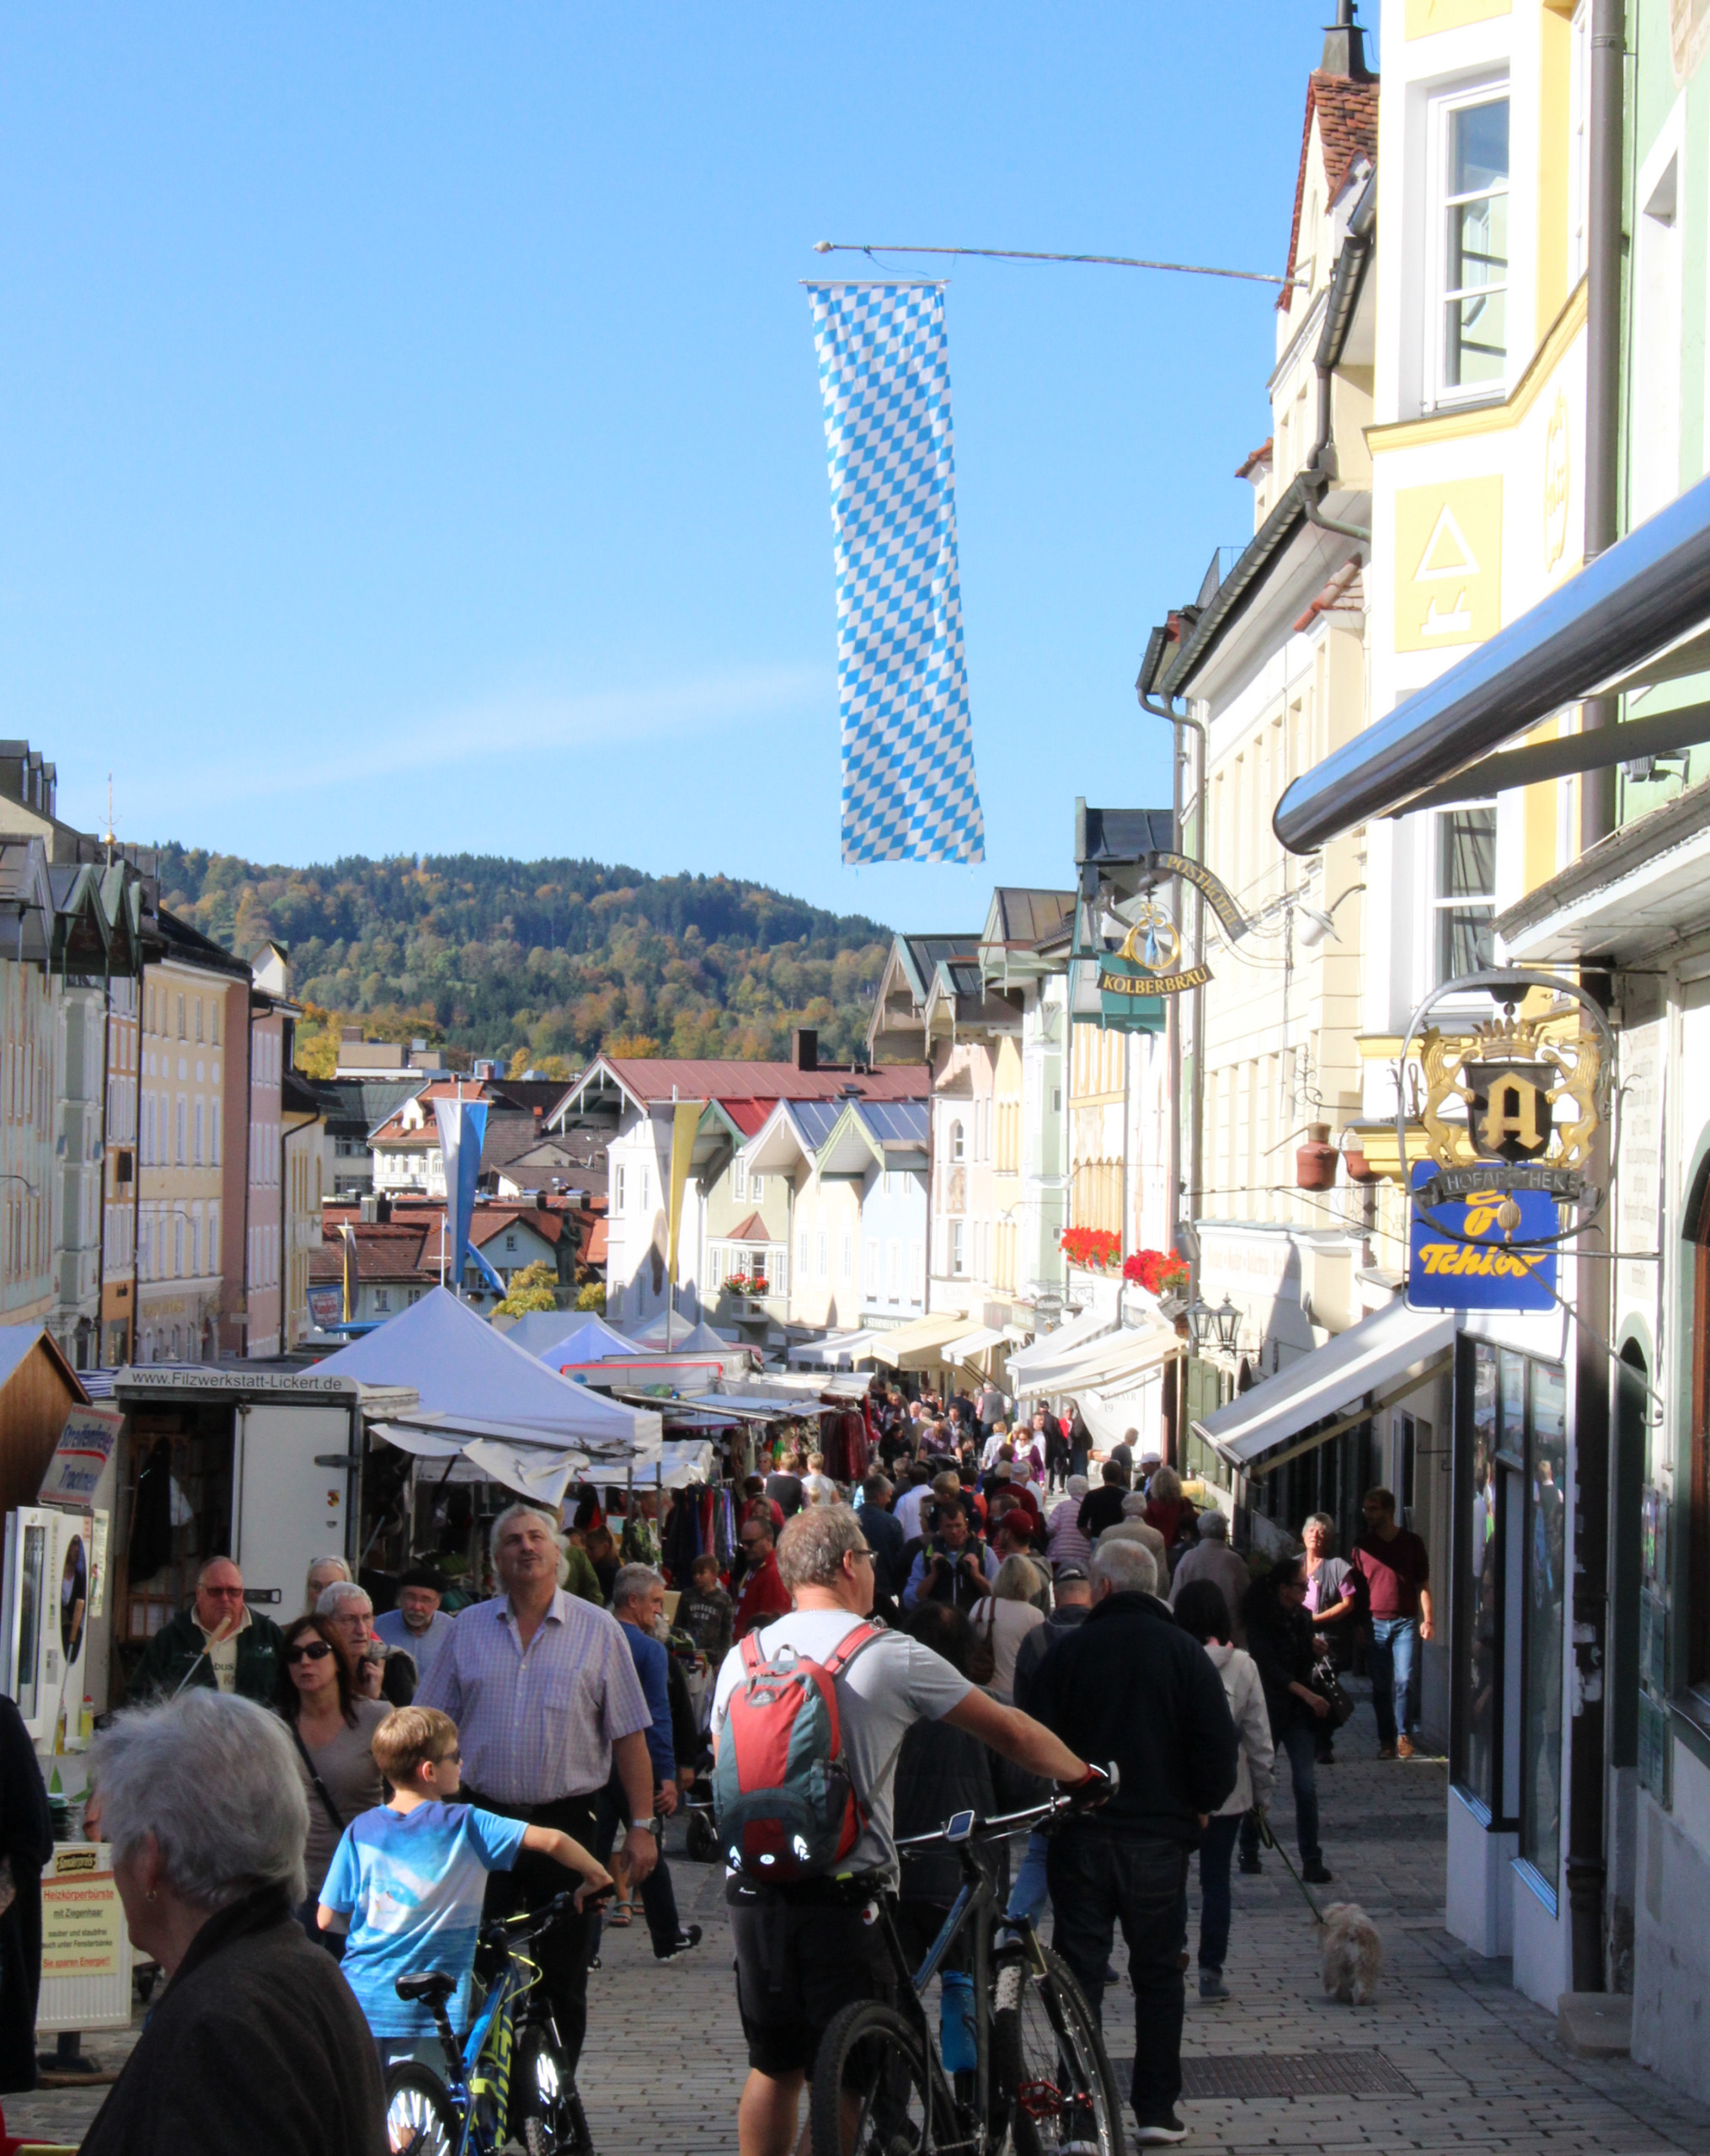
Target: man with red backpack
808,1720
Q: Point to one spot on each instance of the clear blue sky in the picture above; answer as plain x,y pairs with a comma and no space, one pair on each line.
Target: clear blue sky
409,434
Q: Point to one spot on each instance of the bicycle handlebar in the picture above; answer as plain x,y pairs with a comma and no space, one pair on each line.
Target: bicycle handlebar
1010,1823
529,1924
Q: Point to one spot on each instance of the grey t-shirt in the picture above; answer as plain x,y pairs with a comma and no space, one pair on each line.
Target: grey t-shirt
892,1683
347,1769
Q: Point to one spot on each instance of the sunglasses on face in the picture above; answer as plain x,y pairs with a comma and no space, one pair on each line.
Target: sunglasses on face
315,1651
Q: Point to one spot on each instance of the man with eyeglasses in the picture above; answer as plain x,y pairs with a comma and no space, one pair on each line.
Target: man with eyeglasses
764,1595
218,1641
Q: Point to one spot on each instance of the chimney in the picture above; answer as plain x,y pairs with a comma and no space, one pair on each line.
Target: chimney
382,1208
1344,47
804,1048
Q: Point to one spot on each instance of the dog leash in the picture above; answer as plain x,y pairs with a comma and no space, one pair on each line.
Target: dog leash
1270,1841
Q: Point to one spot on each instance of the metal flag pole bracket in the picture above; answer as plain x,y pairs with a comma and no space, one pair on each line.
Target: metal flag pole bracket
871,249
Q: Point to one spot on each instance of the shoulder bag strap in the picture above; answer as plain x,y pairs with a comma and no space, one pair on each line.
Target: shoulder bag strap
321,1790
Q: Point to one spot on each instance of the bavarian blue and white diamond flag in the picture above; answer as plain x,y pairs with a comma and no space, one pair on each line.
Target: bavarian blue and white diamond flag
909,790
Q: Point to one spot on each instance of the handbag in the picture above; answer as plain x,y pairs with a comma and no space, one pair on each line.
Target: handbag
1328,1685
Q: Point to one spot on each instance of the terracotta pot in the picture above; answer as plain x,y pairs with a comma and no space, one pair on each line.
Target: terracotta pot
1359,1169
1315,1162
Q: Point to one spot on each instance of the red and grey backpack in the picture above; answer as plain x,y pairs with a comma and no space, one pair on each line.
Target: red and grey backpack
785,1800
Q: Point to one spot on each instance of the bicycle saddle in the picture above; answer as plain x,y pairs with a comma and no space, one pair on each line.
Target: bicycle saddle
432,1985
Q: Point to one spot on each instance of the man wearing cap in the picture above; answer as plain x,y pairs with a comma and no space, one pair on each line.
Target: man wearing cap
1210,1558
417,1625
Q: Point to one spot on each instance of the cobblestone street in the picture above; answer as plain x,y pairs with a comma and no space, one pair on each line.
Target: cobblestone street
1448,2055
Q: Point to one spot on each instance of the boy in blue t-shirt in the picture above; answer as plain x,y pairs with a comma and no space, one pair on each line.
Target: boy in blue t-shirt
408,1878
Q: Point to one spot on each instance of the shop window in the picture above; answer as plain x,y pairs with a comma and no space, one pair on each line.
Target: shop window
1546,1621
1465,902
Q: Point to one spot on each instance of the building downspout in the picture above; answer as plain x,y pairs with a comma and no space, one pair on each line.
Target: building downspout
1587,1868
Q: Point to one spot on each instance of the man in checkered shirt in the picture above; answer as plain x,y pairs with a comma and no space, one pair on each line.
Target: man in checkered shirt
543,1691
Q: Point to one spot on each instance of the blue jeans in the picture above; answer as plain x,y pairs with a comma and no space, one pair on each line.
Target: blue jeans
1029,1895
1102,1876
1300,1740
1394,1663
1216,1849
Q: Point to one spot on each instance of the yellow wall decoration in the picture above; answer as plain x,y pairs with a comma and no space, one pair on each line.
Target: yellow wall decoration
1448,563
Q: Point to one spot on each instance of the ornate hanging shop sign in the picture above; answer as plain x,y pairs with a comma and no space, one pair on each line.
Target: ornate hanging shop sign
1147,967
1511,1111
1215,893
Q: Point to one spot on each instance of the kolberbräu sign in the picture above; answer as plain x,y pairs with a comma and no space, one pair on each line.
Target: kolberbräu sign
908,789
81,1456
1460,1258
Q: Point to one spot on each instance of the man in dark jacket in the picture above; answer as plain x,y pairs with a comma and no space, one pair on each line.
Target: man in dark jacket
1103,1508
1129,1686
219,1641
884,1537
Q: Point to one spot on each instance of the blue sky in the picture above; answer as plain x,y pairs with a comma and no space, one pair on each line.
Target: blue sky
409,432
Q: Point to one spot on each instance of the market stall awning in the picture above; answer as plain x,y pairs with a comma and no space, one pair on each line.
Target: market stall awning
973,1343
1033,1368
470,1375
558,1338
919,1345
1115,1358
1361,1371
836,1350
1615,621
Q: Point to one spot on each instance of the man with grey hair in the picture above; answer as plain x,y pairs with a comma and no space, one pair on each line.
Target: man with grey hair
1130,1685
1210,1558
383,1673
256,2042
544,1692
219,1642
802,1953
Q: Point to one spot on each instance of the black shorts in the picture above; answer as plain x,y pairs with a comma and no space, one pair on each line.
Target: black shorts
800,1958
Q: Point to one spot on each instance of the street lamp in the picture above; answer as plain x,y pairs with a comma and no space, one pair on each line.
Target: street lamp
1214,1328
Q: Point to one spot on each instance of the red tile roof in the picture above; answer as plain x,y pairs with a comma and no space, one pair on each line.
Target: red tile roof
1346,112
1255,457
753,1230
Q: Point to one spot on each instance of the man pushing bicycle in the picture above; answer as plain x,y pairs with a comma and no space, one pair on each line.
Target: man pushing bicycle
808,1719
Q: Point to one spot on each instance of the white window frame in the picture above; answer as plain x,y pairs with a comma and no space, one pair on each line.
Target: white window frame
959,1251
870,1258
958,1146
1579,144
1489,89
1442,902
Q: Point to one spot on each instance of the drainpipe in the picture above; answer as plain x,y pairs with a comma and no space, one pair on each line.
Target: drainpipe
1586,1864
1196,1099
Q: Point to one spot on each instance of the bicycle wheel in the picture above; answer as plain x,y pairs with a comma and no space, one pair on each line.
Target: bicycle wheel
1049,2062
541,2097
420,2118
872,2089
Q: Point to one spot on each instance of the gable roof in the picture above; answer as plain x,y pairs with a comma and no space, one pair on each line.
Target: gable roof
1346,111
753,1230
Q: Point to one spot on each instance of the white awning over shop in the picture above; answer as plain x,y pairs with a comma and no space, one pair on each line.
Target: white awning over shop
921,1344
973,1343
836,1350
1033,1368
1386,1355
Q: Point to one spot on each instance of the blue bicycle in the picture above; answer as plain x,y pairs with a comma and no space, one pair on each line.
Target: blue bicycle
508,2079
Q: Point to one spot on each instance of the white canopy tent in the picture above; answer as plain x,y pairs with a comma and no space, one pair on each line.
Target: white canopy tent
688,1336
473,1379
837,1350
1388,1354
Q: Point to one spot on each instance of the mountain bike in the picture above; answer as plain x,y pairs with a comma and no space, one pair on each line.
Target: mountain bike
508,2079
1041,2084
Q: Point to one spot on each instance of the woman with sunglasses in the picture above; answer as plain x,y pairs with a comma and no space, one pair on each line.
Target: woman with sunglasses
332,1728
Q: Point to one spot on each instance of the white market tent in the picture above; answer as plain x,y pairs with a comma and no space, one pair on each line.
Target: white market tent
685,1338
472,1381
836,1350
586,1334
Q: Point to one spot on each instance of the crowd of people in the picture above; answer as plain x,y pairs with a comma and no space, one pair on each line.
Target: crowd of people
999,1612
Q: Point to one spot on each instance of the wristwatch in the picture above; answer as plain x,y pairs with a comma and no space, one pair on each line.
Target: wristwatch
646,1826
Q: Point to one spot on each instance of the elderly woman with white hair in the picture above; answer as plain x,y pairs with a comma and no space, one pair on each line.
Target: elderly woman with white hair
256,2042
1002,1619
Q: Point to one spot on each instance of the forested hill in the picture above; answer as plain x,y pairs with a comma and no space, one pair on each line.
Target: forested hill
539,963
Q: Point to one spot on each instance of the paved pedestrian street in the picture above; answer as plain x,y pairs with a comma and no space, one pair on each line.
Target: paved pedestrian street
1446,2056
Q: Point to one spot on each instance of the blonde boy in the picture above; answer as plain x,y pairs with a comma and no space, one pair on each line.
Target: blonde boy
408,1878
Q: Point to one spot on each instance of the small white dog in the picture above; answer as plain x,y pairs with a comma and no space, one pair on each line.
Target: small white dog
1353,1953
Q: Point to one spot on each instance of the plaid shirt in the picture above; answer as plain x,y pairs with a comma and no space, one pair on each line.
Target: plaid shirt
536,1723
